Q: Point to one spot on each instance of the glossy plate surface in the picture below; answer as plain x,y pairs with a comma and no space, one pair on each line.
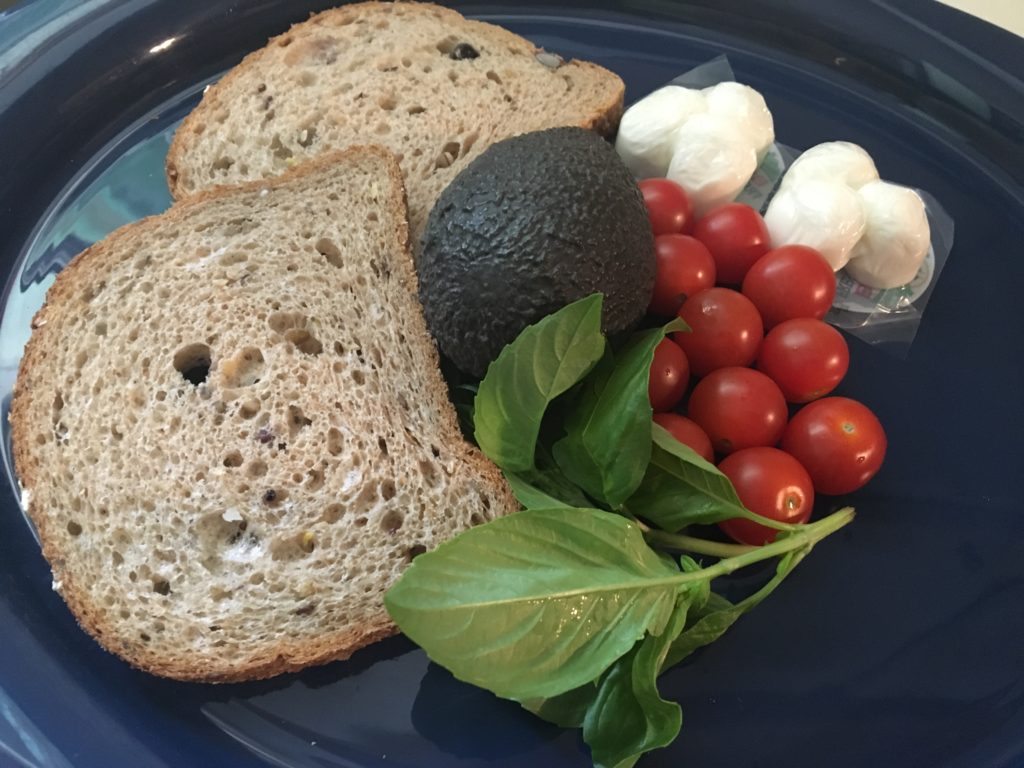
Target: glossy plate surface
899,643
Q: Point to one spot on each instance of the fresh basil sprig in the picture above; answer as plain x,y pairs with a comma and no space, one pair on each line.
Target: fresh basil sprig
547,602
572,607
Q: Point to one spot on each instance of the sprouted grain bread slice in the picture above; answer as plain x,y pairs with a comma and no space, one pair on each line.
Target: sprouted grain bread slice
435,88
233,430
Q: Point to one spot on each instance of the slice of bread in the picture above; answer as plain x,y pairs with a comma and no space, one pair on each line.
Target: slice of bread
398,74
233,430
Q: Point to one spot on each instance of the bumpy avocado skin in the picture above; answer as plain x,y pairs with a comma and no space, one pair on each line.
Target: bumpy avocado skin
534,223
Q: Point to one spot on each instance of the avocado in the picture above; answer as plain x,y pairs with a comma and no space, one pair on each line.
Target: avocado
532,224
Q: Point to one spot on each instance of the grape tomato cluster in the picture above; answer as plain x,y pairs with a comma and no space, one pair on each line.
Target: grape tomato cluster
757,348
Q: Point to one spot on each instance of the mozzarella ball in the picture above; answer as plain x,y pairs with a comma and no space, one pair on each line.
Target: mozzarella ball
712,160
825,215
838,161
747,109
896,239
647,129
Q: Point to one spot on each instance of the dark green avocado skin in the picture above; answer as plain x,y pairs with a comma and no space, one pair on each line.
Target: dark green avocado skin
534,223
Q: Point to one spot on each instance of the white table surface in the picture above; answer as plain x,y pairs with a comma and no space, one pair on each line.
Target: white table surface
1008,14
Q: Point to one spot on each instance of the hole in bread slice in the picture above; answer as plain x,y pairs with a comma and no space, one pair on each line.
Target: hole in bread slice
193,362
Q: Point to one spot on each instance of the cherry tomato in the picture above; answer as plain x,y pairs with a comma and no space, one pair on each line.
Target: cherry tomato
770,483
789,282
725,330
839,441
737,237
670,374
805,357
687,432
685,267
738,408
668,206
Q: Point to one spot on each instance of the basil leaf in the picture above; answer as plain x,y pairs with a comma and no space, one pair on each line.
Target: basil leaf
544,361
544,489
537,603
628,716
680,488
546,486
608,442
700,592
566,710
712,620
528,492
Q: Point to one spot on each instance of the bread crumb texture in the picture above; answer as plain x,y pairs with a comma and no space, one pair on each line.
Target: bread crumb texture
435,88
234,430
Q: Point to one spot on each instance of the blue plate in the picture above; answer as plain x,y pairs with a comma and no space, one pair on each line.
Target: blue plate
898,643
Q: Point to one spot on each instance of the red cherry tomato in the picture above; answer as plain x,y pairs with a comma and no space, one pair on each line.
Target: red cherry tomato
687,432
685,267
670,375
805,357
668,206
737,237
725,330
770,483
789,282
839,441
738,408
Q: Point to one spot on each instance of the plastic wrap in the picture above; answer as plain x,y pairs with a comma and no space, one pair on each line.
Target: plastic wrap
886,317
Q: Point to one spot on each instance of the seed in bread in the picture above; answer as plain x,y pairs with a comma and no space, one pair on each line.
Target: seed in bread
434,87
234,431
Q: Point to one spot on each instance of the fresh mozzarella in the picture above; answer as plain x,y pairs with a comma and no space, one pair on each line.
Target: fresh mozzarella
838,161
747,109
825,215
896,239
712,160
647,128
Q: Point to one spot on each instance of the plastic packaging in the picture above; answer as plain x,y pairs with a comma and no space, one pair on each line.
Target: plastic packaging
713,161
771,162
647,131
825,215
838,161
888,318
896,236
891,316
703,130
